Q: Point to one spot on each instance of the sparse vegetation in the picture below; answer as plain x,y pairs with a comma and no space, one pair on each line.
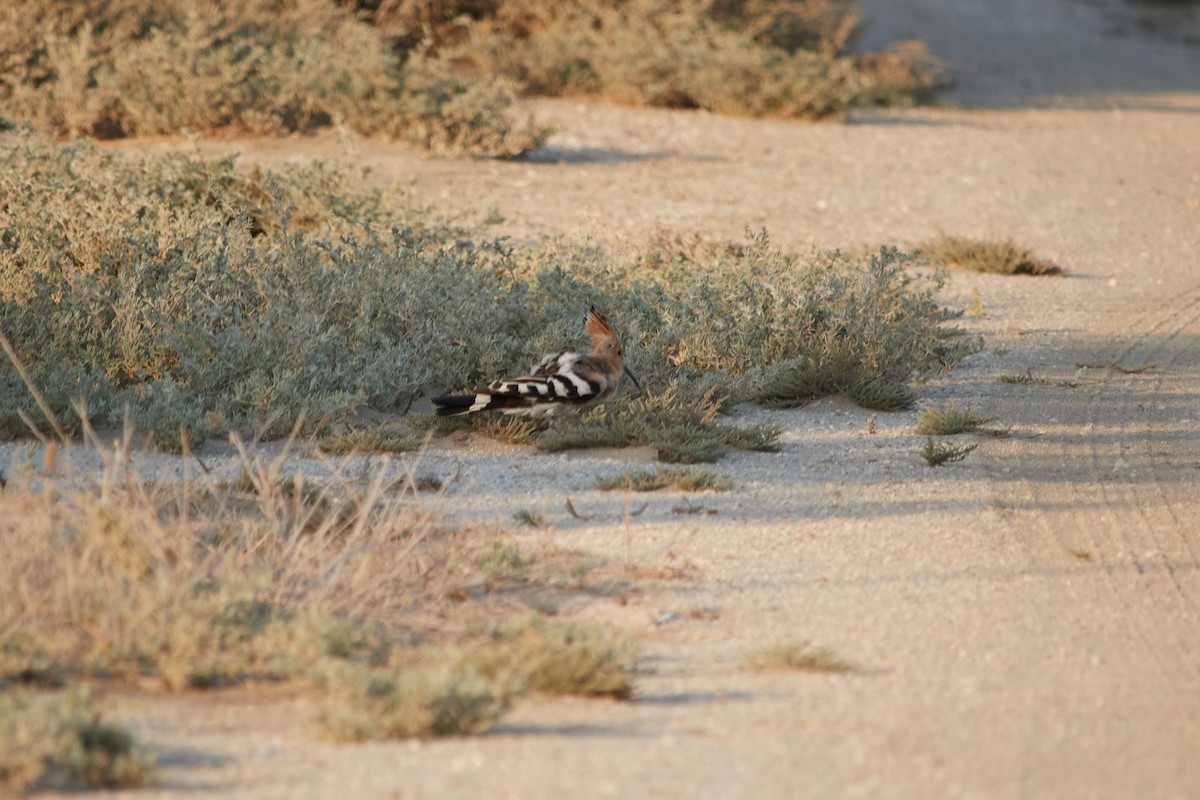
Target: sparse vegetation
202,587
949,420
797,657
981,255
684,480
936,453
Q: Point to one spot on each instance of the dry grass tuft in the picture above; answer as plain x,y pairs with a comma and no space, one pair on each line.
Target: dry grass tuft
572,659
181,587
361,702
949,420
233,269
380,439
685,480
979,255
797,657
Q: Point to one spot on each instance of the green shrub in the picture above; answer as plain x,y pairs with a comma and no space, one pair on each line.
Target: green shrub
205,299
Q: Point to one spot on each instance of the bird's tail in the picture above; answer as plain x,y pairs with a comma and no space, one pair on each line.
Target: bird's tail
450,405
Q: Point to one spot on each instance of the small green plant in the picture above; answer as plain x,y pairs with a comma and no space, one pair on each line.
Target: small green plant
936,453
976,307
685,480
1029,379
979,255
949,420
797,657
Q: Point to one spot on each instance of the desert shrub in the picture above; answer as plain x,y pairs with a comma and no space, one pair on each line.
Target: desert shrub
565,659
984,255
442,74
113,68
204,299
949,420
362,702
759,58
59,737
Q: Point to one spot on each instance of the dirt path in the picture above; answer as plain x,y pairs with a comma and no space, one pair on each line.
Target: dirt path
1027,621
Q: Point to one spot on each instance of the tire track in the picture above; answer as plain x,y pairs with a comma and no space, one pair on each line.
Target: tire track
1128,490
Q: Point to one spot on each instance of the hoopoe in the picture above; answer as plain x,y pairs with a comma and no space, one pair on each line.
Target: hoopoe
562,381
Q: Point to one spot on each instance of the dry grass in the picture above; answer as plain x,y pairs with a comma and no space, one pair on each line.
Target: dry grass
439,699
346,588
797,657
578,660
684,480
179,586
980,255
949,420
379,439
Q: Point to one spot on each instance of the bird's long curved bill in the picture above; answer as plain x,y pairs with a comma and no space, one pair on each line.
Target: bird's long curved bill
633,378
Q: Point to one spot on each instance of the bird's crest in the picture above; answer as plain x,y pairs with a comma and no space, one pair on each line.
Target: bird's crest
596,325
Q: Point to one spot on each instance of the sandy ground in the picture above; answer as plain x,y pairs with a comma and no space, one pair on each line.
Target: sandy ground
1027,621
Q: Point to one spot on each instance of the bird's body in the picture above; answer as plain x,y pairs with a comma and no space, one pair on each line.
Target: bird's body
561,382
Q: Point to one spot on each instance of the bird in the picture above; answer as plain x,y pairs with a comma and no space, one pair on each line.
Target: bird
562,381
